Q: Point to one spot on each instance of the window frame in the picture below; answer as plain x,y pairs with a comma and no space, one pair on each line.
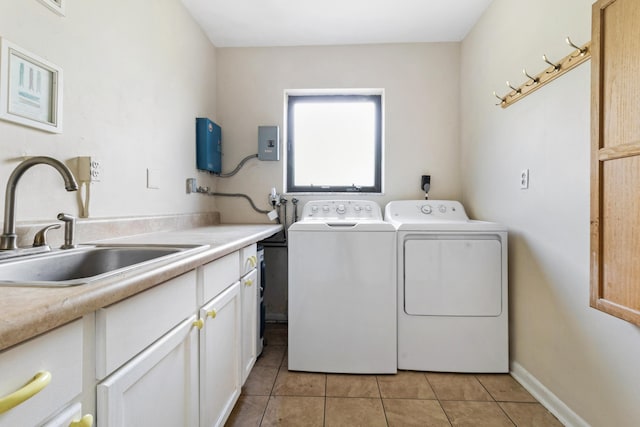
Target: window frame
292,100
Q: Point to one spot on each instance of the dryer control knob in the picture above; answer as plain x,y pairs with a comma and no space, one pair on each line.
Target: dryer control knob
357,208
325,208
314,209
426,209
368,208
341,209
442,208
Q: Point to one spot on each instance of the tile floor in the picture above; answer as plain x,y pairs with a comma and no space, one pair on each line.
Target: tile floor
273,396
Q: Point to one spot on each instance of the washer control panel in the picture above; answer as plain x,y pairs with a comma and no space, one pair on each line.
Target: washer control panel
332,210
425,210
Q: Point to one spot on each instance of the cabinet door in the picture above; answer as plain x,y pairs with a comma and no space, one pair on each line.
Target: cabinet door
249,285
615,159
159,387
220,376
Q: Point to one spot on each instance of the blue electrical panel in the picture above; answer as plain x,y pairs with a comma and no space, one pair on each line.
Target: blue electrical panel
208,146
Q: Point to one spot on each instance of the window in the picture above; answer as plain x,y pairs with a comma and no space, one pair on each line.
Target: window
334,143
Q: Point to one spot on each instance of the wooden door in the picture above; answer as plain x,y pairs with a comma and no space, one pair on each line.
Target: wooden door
615,159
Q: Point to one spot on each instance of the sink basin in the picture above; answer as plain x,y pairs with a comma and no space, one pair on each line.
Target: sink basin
83,265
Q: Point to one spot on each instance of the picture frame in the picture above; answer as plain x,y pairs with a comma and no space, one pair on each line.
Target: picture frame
56,6
30,89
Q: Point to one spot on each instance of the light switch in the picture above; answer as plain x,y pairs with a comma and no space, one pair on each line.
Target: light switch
153,179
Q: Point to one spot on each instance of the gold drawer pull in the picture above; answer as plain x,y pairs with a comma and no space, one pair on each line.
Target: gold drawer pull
212,314
86,421
35,386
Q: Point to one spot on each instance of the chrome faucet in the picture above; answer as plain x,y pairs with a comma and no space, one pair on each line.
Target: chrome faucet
8,239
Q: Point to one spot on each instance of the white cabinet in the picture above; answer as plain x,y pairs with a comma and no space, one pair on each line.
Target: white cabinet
49,369
126,328
159,387
148,353
174,355
220,371
249,297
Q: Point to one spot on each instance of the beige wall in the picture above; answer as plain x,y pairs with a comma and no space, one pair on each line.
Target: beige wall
421,96
136,74
587,359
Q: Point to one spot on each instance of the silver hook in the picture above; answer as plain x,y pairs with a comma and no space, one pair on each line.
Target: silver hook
556,67
582,50
502,100
517,89
534,80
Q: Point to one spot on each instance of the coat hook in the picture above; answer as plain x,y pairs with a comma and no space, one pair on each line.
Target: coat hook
517,89
502,100
582,50
534,80
556,67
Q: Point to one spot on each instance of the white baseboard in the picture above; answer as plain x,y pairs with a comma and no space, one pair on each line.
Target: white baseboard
549,400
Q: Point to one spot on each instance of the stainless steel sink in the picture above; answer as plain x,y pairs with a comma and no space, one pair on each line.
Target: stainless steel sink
83,265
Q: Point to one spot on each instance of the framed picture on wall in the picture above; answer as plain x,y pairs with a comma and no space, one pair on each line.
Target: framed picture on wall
55,5
30,89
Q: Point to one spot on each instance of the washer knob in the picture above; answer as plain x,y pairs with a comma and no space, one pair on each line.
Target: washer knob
341,209
442,208
314,209
426,209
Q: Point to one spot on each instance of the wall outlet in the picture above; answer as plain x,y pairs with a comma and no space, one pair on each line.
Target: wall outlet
524,179
425,183
89,169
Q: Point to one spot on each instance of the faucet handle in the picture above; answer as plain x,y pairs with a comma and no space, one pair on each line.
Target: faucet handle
40,239
69,230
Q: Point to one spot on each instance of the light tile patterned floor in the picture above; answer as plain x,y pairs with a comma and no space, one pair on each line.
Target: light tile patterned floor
273,396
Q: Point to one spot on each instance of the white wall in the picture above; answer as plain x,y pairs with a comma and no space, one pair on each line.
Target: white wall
136,74
421,106
586,358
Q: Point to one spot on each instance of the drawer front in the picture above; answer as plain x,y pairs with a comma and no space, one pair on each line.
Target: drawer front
248,259
126,328
219,275
58,352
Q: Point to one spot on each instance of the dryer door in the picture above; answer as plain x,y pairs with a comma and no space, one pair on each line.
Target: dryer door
453,275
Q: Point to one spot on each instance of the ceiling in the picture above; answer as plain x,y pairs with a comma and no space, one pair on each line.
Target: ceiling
244,23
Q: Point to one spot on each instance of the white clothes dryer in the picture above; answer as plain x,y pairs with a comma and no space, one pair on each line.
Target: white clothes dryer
342,289
452,288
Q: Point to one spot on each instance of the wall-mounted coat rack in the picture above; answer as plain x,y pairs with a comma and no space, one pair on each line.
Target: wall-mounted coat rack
555,70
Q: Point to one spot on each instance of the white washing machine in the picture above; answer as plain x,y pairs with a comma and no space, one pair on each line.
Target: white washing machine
342,289
452,288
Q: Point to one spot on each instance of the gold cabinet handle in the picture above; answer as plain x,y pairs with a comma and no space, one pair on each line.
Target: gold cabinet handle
35,386
86,421
248,282
198,323
212,313
253,261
